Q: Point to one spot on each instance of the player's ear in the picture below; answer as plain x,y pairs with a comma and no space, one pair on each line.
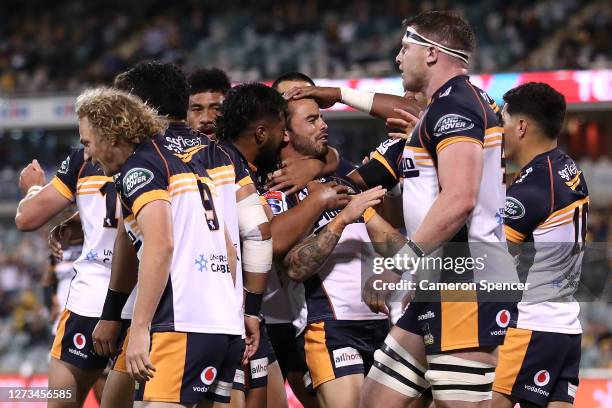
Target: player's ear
522,128
260,133
431,56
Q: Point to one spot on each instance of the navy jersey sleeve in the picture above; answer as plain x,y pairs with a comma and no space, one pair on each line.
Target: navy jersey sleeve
527,204
143,179
383,168
453,119
65,181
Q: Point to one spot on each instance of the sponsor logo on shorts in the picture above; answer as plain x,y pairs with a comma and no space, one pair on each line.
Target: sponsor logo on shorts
208,375
571,390
537,390
514,209
135,179
259,367
541,378
503,318
79,341
428,315
452,123
239,377
346,356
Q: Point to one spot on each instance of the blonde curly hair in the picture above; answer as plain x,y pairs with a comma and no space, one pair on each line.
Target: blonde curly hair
116,115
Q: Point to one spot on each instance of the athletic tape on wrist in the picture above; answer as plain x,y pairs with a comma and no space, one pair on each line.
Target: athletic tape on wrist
360,100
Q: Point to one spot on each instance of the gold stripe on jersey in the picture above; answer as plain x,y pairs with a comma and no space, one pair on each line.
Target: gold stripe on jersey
513,235
417,150
494,130
317,354
149,197
188,154
168,355
511,356
424,163
459,320
245,181
573,183
61,188
379,157
456,139
563,212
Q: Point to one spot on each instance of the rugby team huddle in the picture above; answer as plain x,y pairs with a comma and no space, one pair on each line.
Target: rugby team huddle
226,244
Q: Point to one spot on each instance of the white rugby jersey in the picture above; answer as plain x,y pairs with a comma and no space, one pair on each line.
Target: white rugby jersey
546,212
64,272
334,292
200,295
96,199
227,173
457,112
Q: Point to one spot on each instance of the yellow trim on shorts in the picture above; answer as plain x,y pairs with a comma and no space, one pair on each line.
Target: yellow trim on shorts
459,320
168,353
510,359
56,349
317,354
120,364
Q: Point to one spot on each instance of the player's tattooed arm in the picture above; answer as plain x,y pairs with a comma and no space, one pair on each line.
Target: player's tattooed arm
304,259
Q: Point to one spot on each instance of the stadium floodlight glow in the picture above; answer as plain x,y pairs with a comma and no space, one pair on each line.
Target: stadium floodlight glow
412,36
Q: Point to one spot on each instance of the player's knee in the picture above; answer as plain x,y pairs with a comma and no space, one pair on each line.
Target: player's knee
457,379
395,368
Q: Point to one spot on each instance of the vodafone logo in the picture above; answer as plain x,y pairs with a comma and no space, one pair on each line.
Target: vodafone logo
541,378
208,375
79,341
503,318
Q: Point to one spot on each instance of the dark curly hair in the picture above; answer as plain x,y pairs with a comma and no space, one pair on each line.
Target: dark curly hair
246,103
160,84
208,80
540,102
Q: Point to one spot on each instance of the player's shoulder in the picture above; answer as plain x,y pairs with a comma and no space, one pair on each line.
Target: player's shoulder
73,162
458,106
146,159
568,179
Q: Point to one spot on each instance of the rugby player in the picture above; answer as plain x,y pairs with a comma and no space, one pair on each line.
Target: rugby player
207,89
546,213
453,190
248,111
164,86
183,346
74,363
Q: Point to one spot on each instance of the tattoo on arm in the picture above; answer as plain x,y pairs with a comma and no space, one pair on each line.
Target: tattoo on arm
305,258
